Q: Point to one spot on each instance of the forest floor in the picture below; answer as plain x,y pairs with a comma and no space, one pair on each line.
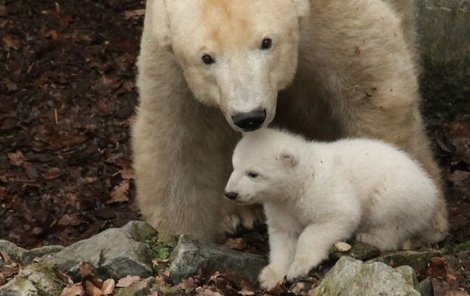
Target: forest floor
67,99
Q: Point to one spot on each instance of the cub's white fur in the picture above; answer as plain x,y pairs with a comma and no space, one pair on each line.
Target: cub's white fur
315,194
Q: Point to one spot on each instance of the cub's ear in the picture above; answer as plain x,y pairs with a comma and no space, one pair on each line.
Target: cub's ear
303,7
288,158
160,21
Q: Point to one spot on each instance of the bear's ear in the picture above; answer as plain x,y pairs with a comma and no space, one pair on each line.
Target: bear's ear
303,7
160,22
288,158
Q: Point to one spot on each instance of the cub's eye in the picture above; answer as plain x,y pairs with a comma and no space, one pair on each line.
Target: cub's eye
252,175
266,43
207,59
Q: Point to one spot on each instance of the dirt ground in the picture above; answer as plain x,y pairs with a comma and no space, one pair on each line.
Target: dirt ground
67,98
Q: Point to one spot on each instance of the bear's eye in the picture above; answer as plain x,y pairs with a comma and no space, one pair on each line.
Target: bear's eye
266,43
207,59
252,175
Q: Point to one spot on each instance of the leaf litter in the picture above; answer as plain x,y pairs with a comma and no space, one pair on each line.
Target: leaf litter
68,99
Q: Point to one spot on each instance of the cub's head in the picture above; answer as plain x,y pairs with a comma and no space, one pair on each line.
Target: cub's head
235,55
265,167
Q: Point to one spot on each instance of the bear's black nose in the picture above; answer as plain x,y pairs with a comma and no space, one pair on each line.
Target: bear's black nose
249,121
231,195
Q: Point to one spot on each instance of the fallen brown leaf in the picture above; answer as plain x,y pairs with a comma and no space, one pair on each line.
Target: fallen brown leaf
204,291
11,41
88,275
120,193
85,270
16,158
74,290
133,13
188,285
11,86
52,173
70,219
127,173
128,280
236,243
92,290
438,268
52,34
108,287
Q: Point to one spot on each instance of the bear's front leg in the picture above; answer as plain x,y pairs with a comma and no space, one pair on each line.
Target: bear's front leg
182,153
282,247
314,244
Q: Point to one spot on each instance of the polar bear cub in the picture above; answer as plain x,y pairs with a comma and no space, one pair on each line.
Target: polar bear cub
316,194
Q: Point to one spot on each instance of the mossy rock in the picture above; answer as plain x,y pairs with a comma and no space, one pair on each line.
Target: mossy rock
38,279
353,277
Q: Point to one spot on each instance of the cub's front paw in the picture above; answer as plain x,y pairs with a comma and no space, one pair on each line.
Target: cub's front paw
269,278
298,269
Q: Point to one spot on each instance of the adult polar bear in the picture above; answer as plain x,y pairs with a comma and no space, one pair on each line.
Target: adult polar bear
209,69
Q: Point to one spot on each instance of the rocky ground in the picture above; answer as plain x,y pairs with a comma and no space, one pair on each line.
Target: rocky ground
67,97
145,262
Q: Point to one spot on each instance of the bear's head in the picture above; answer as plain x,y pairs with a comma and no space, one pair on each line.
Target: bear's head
266,167
235,55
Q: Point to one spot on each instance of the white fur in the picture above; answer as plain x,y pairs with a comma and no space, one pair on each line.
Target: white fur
316,194
341,68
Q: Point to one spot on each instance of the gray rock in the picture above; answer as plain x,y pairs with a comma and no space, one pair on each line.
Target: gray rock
13,251
352,277
18,254
443,30
40,278
416,259
41,252
425,287
115,252
189,256
408,275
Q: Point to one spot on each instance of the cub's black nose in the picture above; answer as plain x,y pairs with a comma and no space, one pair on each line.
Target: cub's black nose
250,121
231,195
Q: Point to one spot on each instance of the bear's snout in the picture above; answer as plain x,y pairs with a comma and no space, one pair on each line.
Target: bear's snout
250,121
231,195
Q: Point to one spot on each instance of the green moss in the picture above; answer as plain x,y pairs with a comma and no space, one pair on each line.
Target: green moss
162,245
